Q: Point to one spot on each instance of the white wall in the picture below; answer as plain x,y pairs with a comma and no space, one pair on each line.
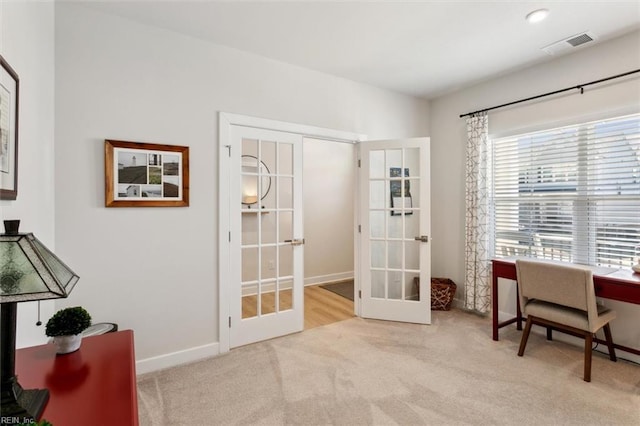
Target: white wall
26,43
448,139
154,269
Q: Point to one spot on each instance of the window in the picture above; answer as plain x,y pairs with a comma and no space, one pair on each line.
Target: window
571,193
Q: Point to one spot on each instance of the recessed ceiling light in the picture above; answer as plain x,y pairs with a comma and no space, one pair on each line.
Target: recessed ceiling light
537,15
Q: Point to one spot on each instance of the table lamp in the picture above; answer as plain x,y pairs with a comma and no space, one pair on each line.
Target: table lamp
28,271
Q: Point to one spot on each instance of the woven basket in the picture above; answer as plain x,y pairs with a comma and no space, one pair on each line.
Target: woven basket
442,292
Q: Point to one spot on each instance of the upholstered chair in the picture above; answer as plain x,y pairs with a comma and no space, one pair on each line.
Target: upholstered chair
562,296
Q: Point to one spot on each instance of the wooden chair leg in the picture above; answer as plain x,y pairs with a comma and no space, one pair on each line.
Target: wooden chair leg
549,333
525,336
588,342
612,350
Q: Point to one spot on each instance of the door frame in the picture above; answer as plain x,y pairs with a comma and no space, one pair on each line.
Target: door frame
225,121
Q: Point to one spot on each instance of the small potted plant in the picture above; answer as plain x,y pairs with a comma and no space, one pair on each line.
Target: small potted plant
66,327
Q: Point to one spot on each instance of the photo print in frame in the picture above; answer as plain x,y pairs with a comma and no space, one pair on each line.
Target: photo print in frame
146,175
400,198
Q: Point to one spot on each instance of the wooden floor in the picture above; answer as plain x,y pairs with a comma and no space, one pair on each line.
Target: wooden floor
321,307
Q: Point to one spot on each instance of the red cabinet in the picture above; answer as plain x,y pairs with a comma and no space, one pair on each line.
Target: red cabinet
95,385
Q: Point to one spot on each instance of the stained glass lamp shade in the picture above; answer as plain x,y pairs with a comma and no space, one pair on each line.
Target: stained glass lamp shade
28,272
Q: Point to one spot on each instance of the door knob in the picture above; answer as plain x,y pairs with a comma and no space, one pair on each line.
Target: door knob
422,239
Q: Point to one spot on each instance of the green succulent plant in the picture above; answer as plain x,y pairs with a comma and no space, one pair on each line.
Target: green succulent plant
68,321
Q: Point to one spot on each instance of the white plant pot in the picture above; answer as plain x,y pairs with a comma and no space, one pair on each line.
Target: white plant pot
67,344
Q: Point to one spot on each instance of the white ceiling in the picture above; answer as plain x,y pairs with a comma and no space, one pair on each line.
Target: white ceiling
422,48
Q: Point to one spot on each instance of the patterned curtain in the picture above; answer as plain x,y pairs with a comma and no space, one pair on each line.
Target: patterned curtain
477,263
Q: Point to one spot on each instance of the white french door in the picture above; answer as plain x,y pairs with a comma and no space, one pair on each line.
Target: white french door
266,241
395,250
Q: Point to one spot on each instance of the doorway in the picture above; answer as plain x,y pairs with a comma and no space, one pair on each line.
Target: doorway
386,268
329,182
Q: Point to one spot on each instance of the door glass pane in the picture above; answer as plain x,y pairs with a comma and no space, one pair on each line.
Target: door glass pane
250,147
411,285
268,156
285,159
286,226
378,254
377,284
395,254
286,260
412,255
255,181
412,225
250,304
286,295
249,229
268,192
414,188
376,223
250,187
412,161
285,192
268,305
377,194
268,224
249,264
268,262
376,165
395,285
395,226
394,160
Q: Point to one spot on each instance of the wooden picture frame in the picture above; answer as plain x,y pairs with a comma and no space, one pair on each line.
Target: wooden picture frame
145,174
9,97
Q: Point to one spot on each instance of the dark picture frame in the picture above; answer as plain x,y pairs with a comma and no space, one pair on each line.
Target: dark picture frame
139,174
9,108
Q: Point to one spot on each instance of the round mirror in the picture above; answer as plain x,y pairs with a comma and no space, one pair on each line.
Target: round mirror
252,168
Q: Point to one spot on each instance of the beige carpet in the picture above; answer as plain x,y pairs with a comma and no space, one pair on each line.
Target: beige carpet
362,372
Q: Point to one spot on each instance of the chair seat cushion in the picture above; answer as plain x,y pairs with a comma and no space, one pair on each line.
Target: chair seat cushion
569,316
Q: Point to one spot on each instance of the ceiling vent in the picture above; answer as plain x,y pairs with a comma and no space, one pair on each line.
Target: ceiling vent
569,43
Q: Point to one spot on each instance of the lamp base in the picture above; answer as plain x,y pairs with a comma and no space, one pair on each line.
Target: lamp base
22,405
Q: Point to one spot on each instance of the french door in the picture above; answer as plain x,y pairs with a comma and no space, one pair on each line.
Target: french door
395,250
261,259
266,241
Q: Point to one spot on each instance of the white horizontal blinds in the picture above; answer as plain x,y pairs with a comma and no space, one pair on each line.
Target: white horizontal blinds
571,193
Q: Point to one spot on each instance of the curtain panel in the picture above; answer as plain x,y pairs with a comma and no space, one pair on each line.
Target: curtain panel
477,285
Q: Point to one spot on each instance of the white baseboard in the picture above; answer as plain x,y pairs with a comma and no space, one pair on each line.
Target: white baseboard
252,289
323,279
177,358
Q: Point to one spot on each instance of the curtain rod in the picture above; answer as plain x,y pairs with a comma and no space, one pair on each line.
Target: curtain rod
579,87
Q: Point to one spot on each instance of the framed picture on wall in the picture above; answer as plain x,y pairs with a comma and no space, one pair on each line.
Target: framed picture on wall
145,174
9,91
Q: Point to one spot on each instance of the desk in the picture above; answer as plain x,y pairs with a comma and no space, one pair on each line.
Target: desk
621,285
95,385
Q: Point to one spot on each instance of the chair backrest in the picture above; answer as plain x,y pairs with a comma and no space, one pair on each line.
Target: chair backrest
562,284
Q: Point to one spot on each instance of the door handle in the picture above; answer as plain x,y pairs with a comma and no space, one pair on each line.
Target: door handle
422,239
295,242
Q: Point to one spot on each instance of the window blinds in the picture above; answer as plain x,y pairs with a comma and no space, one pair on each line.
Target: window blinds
570,194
